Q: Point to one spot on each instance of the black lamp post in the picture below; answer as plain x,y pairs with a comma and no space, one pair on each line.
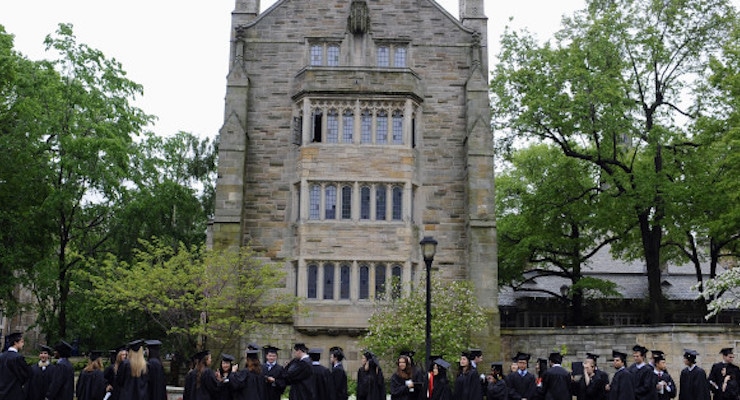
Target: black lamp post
428,248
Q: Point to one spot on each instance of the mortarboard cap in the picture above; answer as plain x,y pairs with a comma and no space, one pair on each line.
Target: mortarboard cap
201,355
63,348
315,353
227,357
555,358
45,349
690,354
335,348
592,356
497,366
442,363
368,354
658,357
300,346
466,354
136,344
726,351
253,346
267,349
153,343
521,356
253,354
475,352
95,354
620,355
641,349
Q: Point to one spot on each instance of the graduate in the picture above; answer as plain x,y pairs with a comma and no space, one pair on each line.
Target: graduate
247,383
370,383
321,375
14,371
622,386
522,384
665,385
556,381
298,372
272,371
467,382
496,388
40,375
157,381
133,374
693,383
91,383
338,377
61,386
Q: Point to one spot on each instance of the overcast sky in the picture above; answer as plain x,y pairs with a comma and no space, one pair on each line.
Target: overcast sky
178,50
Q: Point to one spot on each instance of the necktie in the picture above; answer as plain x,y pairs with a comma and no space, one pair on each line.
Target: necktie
521,373
269,366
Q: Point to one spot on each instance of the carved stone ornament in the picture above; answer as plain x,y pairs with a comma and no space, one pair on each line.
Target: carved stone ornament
241,31
359,17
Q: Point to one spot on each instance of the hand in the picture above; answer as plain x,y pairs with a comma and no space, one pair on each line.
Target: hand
270,379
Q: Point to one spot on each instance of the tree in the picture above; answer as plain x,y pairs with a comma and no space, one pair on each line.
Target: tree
550,223
172,199
399,322
86,127
25,228
192,293
616,91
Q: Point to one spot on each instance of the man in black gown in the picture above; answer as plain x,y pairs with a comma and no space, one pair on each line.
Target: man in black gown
40,375
14,371
643,374
157,382
522,384
271,370
338,377
622,386
693,384
715,374
61,386
556,380
298,375
321,375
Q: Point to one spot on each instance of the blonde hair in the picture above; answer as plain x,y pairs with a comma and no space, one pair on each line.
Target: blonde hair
93,365
137,362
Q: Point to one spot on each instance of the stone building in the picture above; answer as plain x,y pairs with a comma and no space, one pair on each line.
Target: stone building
352,129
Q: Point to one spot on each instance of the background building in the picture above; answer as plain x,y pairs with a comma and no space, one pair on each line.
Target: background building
352,129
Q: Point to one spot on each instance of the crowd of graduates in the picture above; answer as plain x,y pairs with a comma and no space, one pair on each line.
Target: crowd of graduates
136,373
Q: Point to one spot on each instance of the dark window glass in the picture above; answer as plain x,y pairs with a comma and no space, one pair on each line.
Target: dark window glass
364,282
379,280
381,194
365,203
313,276
344,282
328,281
396,276
346,202
397,203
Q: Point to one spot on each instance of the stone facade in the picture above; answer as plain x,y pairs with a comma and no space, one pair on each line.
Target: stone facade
352,129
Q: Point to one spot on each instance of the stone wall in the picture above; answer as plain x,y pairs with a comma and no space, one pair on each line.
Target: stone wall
576,341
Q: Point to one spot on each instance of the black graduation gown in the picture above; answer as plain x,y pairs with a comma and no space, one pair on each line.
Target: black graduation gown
556,384
622,386
731,391
246,385
370,384
399,390
321,382
132,388
189,388
441,389
14,373
338,383
644,381
497,390
693,384
157,380
207,388
273,390
38,385
521,387
61,386
715,375
91,385
596,388
467,386
298,374
110,377
670,391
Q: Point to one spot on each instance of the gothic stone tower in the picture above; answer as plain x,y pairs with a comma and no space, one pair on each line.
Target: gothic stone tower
352,129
